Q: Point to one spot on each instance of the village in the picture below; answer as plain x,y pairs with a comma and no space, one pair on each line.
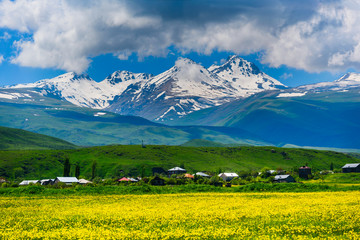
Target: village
178,176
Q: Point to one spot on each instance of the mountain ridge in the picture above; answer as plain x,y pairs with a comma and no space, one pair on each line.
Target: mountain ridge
184,88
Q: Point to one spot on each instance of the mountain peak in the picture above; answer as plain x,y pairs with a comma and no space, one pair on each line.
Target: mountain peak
350,76
180,62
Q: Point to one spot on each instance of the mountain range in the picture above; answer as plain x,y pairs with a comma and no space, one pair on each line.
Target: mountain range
184,88
231,103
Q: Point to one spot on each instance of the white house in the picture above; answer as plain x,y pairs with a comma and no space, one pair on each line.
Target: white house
84,181
66,180
228,176
27,182
201,174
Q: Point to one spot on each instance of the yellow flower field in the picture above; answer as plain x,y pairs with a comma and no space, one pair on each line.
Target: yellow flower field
183,216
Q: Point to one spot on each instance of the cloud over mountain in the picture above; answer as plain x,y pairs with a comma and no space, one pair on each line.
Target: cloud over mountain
311,35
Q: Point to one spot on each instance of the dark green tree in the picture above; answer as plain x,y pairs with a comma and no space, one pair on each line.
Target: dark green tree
67,167
77,170
93,169
331,166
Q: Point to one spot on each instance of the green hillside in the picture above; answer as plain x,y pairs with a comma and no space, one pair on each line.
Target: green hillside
17,139
328,119
91,127
134,160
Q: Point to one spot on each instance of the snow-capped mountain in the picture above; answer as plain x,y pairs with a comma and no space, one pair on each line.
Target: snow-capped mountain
245,77
184,88
346,82
80,90
343,84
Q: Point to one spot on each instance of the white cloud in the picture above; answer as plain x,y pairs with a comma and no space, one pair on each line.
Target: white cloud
1,59
286,76
324,35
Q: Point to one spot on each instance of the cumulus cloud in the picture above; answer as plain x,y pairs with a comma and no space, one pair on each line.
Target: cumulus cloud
1,59
313,35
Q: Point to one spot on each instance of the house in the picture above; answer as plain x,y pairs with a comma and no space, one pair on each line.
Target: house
176,170
47,181
304,172
201,174
187,175
284,178
84,181
228,176
3,180
27,182
157,181
124,179
133,180
351,167
66,180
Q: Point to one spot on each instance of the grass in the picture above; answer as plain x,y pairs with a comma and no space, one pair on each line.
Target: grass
133,160
17,139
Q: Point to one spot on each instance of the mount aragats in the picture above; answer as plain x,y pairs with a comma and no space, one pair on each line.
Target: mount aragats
231,103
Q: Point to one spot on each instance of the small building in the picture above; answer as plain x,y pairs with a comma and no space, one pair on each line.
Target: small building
201,174
157,181
66,180
133,179
47,181
3,180
188,175
84,181
228,176
176,170
304,172
284,179
27,182
124,179
351,167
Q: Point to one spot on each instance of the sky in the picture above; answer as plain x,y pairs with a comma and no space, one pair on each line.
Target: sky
296,42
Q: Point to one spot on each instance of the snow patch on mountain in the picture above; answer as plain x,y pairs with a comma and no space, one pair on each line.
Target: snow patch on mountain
245,77
346,82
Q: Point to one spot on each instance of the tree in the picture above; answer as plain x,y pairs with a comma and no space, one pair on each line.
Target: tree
67,167
331,166
93,169
77,170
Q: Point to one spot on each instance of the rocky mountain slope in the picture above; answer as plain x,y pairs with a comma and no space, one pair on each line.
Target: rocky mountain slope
185,88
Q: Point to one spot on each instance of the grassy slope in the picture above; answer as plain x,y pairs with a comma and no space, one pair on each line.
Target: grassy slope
84,127
17,139
131,159
323,120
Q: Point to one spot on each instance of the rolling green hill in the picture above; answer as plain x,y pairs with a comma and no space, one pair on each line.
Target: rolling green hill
91,127
17,139
133,160
327,119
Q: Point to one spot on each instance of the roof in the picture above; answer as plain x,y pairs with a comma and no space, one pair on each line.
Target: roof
177,169
133,180
67,179
202,174
187,175
304,167
228,174
124,179
351,165
280,177
84,181
27,182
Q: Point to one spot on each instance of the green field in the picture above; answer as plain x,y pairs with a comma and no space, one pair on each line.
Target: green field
17,139
134,160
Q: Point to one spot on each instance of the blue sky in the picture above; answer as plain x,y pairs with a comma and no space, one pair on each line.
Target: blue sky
296,42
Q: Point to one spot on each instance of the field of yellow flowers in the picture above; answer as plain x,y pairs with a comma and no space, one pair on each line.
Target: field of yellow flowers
183,216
